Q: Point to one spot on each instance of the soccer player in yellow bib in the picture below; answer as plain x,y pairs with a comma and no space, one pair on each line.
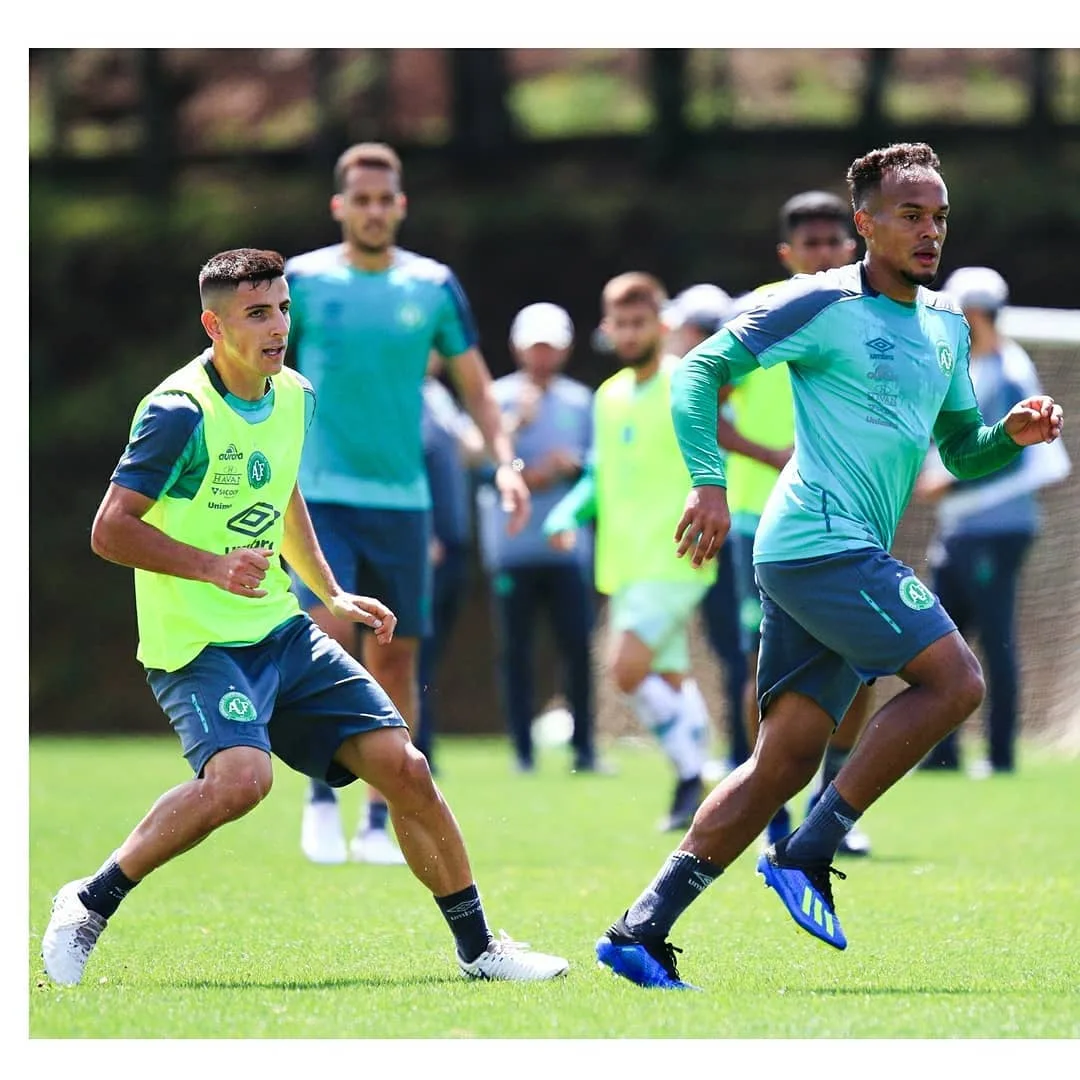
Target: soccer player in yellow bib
205,506
815,235
629,487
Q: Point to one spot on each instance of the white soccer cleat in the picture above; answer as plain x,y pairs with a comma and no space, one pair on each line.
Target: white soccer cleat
512,961
71,935
375,846
321,838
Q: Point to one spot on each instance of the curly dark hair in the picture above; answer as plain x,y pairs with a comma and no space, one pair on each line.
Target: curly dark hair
865,173
225,271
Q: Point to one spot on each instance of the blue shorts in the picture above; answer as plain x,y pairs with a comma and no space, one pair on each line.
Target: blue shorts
296,694
747,595
832,623
379,553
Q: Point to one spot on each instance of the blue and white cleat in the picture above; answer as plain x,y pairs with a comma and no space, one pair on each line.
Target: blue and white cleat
650,964
807,894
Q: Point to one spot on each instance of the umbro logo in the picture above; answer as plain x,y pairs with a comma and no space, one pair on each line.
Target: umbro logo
880,345
459,911
847,822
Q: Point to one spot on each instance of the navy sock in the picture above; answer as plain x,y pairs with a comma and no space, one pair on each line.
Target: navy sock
320,791
834,762
377,815
818,837
464,914
681,880
104,891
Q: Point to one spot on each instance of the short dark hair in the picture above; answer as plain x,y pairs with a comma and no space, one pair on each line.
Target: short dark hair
812,206
371,155
865,173
227,270
634,287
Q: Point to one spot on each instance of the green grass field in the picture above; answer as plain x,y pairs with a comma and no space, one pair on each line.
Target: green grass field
964,923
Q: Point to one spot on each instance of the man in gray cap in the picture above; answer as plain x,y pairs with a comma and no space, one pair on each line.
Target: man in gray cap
985,527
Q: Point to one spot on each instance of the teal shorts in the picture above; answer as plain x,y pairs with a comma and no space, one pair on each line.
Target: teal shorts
659,613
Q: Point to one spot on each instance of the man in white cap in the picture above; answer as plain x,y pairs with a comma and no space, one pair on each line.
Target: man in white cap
985,527
549,417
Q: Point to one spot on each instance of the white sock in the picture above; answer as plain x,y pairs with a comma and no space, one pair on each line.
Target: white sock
655,703
679,721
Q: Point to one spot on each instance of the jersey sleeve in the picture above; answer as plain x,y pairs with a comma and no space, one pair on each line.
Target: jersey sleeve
770,331
162,448
456,331
960,395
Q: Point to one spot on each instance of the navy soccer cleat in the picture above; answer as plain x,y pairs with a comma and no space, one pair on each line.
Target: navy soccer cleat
806,892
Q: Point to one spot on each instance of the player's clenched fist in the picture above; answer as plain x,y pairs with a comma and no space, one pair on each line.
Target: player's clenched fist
366,610
242,571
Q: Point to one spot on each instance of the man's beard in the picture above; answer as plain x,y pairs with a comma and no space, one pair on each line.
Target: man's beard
926,278
641,359
368,248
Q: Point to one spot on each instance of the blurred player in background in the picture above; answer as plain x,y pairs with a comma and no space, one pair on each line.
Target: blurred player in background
839,609
453,448
815,235
631,484
985,527
693,315
204,505
367,315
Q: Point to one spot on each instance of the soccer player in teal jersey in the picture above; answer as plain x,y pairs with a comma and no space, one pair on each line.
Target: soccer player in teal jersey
204,505
366,316
878,364
815,235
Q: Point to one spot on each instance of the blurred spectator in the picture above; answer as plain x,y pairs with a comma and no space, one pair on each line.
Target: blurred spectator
984,528
693,315
815,235
453,447
366,315
549,417
634,487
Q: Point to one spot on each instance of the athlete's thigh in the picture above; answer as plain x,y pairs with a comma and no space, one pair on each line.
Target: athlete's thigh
791,659
864,605
223,698
326,697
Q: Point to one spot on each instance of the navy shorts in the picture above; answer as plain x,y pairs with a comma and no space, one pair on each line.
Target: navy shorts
297,694
379,553
832,623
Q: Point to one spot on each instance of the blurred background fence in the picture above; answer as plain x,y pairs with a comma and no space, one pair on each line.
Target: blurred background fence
537,174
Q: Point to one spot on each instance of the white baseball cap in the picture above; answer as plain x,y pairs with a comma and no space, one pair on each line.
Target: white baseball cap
704,306
542,324
977,287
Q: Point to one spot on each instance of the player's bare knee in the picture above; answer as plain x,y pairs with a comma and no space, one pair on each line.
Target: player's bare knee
413,787
238,791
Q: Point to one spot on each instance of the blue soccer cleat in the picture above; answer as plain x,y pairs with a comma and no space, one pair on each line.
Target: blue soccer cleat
806,892
649,963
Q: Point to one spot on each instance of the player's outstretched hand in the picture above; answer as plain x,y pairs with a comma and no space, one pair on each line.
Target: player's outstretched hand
1034,420
704,524
242,570
366,610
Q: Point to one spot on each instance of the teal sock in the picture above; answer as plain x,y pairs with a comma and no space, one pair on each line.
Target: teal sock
681,880
818,837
